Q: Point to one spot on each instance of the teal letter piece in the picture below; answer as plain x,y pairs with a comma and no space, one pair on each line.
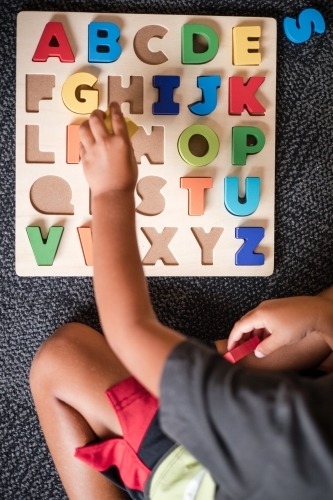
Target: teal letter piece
240,149
245,256
44,250
103,46
188,54
209,85
234,204
307,20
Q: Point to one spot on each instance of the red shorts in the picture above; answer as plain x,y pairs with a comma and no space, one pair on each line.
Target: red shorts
129,460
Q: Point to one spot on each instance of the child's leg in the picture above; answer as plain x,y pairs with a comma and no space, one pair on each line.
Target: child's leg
69,375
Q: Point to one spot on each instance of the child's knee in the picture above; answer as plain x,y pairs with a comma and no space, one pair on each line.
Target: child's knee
54,354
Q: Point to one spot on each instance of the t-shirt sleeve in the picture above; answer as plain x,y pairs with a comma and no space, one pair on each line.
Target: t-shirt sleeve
247,427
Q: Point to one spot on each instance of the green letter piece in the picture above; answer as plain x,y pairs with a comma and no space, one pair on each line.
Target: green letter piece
209,135
239,143
188,54
44,250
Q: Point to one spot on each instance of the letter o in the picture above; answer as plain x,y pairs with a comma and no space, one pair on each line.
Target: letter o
213,145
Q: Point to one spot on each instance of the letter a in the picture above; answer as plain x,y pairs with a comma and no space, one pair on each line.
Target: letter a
54,43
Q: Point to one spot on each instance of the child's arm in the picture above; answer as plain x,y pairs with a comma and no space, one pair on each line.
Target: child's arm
282,322
127,317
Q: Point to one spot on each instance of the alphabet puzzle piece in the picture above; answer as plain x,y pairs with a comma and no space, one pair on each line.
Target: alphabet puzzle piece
131,126
242,350
300,31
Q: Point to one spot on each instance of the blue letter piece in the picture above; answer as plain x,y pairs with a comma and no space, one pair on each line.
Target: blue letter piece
103,46
165,104
209,85
245,255
247,205
307,20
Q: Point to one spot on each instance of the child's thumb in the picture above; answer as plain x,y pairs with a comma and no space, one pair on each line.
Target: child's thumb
267,346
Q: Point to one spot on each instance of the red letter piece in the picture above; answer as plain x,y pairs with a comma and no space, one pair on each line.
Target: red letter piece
54,43
242,350
242,95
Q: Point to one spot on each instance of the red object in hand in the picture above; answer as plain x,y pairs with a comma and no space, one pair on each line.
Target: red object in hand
242,350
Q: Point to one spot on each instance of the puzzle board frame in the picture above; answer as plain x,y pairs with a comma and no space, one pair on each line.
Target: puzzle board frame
53,118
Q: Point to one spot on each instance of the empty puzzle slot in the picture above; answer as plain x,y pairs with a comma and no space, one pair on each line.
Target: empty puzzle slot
52,195
207,242
38,87
32,151
149,190
149,145
159,249
141,44
133,94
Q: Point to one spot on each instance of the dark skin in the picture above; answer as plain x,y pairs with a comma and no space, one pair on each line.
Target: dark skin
70,374
75,366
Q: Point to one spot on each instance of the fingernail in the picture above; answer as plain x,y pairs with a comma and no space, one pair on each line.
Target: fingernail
259,354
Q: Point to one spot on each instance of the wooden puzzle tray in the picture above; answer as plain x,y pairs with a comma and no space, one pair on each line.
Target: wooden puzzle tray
201,91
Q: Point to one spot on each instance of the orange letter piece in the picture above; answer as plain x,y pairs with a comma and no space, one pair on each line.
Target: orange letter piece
86,244
72,145
196,187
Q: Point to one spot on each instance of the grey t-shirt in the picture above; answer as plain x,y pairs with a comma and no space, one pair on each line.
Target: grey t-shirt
262,436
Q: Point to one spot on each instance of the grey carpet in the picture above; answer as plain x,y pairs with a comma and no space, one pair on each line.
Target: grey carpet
32,308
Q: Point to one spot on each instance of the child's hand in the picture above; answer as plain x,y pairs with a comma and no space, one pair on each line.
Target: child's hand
281,322
108,159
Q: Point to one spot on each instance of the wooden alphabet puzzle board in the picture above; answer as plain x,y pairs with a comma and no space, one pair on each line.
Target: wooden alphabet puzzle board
202,92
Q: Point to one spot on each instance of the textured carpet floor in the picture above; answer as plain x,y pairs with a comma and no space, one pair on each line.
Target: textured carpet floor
32,308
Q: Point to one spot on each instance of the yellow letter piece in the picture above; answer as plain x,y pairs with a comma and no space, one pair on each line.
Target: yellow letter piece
131,126
243,43
89,98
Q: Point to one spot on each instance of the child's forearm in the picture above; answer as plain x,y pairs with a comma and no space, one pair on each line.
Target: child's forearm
325,320
127,317
120,286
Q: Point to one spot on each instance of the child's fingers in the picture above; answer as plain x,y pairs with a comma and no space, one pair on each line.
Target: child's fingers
86,135
269,345
82,150
97,125
117,120
245,326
